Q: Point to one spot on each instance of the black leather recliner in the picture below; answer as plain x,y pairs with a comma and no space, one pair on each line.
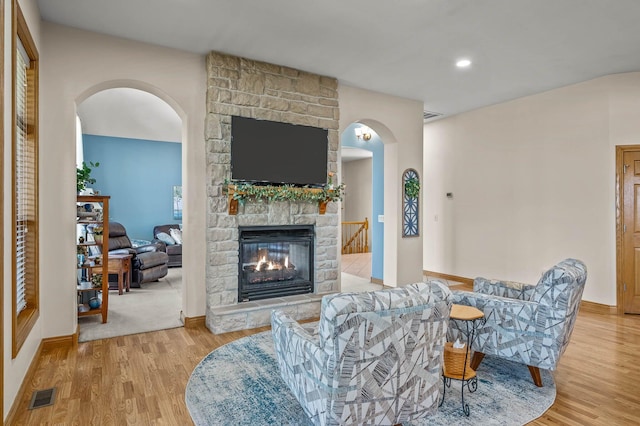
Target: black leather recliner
149,263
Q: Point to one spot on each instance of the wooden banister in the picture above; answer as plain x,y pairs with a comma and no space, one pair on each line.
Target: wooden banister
355,237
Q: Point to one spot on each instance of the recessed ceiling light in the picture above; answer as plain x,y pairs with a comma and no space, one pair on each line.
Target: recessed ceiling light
463,63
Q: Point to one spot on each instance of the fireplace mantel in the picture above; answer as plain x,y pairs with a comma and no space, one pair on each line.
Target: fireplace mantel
240,193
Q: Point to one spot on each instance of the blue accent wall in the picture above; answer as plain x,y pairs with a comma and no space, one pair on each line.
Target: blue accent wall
139,175
375,145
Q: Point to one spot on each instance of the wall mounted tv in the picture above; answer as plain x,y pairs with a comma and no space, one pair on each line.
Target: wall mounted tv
278,153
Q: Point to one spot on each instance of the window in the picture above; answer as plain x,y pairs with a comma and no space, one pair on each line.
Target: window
24,181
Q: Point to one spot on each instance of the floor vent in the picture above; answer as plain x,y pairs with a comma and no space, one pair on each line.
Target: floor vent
42,398
428,115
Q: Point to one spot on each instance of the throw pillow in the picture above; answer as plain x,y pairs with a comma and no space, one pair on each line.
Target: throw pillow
176,234
165,238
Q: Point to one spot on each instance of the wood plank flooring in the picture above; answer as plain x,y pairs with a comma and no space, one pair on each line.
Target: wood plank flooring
141,379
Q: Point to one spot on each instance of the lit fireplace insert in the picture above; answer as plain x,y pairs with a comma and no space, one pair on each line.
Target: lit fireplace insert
275,261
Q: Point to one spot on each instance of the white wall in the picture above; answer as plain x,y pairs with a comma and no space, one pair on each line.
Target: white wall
73,65
14,369
533,182
357,202
78,64
398,122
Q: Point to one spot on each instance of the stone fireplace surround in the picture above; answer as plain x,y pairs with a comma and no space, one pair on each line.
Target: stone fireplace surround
275,261
248,88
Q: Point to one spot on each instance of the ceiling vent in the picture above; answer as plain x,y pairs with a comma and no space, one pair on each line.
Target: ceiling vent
428,115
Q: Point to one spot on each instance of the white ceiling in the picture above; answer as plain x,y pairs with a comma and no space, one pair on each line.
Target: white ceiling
405,48
130,113
353,154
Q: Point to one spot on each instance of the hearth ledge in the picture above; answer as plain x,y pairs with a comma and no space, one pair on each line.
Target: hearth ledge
248,315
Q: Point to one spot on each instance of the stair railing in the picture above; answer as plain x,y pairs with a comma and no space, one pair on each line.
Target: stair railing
355,237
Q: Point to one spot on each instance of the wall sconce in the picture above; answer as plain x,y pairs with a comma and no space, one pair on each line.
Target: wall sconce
363,133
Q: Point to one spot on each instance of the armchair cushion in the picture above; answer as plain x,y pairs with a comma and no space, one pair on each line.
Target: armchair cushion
377,358
116,243
174,250
176,234
149,259
504,333
511,289
131,251
118,238
150,248
165,238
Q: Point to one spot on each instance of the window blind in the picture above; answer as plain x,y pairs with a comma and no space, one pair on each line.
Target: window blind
24,181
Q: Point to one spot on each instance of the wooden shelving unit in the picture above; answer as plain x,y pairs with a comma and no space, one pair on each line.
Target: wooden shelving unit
85,286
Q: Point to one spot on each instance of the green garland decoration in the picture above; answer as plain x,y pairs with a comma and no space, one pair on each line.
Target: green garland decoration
412,188
245,191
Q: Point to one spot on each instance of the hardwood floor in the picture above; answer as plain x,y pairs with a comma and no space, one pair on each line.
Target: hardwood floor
597,378
141,379
136,379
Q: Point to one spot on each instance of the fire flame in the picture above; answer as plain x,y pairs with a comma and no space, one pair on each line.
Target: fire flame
270,265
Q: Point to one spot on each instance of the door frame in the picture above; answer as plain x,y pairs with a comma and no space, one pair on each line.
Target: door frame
620,151
4,284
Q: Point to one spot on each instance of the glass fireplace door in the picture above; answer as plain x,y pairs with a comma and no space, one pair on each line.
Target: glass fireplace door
275,262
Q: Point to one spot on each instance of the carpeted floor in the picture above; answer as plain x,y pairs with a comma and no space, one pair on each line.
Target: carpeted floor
155,306
240,384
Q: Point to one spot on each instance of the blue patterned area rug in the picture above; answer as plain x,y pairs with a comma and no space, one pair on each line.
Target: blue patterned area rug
240,384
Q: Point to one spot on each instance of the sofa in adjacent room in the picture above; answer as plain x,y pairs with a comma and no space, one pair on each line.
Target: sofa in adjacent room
173,244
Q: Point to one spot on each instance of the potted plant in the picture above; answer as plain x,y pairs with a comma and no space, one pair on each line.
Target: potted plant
83,175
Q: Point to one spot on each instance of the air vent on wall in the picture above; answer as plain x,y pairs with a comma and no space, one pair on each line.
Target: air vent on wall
42,398
428,115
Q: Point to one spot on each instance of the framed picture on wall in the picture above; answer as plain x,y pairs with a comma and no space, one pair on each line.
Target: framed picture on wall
177,202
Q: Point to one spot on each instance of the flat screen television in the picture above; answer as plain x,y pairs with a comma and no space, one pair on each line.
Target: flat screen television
275,153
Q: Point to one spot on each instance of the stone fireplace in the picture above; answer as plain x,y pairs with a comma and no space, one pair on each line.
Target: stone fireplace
247,88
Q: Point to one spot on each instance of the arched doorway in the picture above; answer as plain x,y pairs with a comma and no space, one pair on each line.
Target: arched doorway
136,136
362,163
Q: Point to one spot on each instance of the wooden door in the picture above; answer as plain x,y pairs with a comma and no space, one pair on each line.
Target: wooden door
631,231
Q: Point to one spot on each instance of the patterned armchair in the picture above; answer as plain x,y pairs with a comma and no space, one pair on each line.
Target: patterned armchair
377,358
529,324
